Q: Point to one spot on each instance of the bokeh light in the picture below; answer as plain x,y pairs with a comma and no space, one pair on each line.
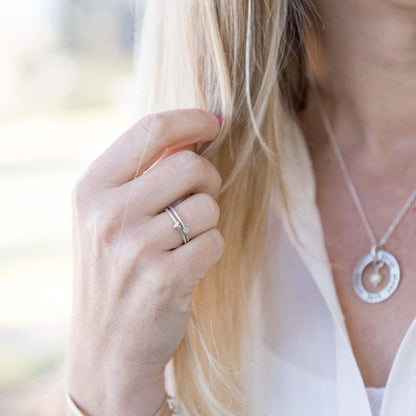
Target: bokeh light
67,92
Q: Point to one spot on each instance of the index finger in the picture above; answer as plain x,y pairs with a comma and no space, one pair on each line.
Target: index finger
142,144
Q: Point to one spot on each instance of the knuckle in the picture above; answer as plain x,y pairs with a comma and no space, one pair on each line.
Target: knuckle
159,281
191,161
219,179
211,204
79,190
132,254
142,241
211,170
155,123
184,303
101,223
84,192
216,240
139,245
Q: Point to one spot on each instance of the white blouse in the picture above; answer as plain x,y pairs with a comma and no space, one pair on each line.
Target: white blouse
375,395
303,362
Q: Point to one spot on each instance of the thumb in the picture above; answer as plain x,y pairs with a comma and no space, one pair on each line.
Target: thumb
171,150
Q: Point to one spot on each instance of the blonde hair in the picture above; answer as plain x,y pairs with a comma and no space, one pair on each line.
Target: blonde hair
243,59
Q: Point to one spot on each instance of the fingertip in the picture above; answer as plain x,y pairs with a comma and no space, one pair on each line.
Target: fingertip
219,118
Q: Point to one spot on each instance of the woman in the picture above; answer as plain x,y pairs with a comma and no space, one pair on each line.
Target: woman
273,285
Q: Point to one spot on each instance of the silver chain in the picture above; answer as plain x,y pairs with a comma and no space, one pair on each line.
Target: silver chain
351,187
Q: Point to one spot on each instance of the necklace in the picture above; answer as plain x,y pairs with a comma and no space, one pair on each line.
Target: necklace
377,257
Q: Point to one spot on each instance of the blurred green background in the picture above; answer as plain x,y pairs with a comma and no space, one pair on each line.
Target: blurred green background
67,92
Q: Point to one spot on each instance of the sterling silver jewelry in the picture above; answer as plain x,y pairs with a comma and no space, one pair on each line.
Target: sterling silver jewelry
178,223
377,256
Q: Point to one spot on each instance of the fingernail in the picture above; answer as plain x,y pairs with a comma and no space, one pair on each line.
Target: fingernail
219,118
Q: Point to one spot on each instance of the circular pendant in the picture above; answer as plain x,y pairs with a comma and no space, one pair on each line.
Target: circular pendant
382,257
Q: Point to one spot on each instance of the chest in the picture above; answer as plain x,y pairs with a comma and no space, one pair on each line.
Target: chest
375,330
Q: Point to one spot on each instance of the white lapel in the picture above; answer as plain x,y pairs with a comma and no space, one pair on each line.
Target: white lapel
300,181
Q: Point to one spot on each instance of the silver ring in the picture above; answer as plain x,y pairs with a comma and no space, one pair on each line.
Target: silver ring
178,223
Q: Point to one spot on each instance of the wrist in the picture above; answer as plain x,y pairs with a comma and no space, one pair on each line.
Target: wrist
164,409
152,403
135,400
115,392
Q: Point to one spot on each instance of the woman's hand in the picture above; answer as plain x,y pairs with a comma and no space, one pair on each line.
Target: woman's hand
133,276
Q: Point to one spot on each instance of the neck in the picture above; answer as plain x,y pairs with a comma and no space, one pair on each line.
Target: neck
364,63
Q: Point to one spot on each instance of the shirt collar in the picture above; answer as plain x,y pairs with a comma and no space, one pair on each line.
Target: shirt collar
400,392
299,179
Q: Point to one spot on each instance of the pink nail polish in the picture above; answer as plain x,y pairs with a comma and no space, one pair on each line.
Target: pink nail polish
219,118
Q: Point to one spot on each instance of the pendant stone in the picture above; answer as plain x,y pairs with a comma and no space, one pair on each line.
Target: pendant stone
375,279
382,258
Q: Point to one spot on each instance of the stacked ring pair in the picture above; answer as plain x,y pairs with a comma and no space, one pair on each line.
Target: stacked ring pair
178,223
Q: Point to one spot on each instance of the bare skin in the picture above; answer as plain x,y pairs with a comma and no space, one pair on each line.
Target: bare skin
366,71
133,276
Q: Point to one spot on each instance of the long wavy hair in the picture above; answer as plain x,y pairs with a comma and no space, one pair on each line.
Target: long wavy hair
245,60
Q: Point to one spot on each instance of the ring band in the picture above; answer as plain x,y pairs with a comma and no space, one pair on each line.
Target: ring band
178,223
